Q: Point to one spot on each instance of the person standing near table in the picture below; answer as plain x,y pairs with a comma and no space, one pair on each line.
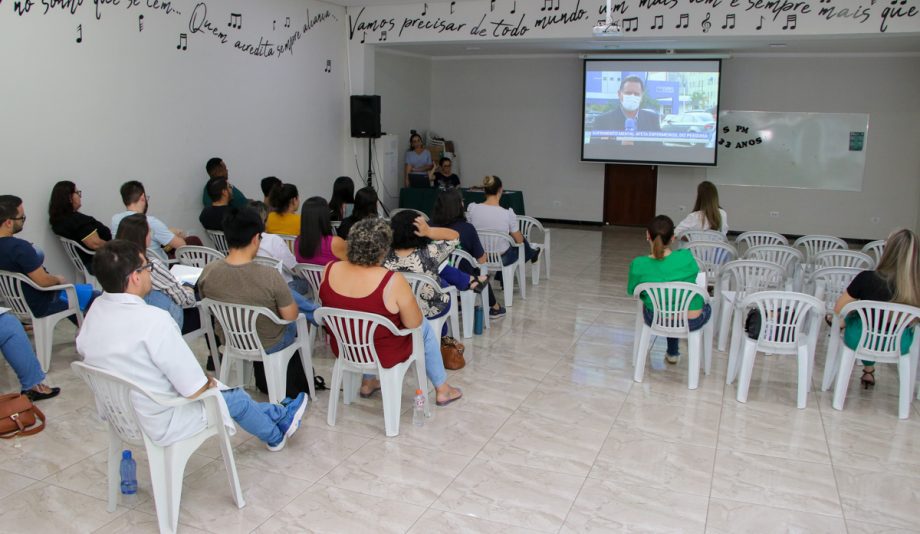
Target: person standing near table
418,163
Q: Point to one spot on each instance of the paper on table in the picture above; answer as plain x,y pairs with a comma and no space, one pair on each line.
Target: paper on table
186,273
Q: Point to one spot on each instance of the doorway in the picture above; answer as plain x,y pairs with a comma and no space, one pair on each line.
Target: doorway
629,194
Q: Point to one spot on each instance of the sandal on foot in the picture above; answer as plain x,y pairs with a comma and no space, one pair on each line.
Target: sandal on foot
369,395
868,379
448,401
477,285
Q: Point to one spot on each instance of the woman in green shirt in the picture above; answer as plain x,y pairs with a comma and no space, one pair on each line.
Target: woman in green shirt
665,265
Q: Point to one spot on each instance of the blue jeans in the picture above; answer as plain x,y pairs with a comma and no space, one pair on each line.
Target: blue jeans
158,299
18,352
305,305
511,255
434,363
694,324
455,277
258,418
290,333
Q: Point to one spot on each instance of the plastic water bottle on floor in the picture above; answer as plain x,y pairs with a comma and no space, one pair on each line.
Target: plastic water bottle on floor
418,409
128,479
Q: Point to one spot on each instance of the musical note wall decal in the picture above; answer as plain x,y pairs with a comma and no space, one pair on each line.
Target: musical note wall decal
659,23
547,4
287,22
273,24
183,42
514,9
363,37
684,20
383,35
80,34
631,24
328,66
491,6
760,26
452,4
425,11
236,20
790,22
140,23
729,22
706,24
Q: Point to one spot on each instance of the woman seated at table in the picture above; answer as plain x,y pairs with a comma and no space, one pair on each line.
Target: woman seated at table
67,221
360,283
365,207
283,218
489,216
418,163
168,293
443,177
317,243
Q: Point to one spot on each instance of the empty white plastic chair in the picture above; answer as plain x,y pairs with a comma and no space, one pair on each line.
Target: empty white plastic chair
167,464
875,249
527,226
468,297
844,258
492,244
737,280
811,245
711,256
195,256
883,324
313,274
419,282
354,335
11,291
242,344
219,240
788,325
692,236
788,258
73,249
417,212
670,305
830,283
747,240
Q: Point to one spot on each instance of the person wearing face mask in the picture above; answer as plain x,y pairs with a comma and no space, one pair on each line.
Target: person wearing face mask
628,116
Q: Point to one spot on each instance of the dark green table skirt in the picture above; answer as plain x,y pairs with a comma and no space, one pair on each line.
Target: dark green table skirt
422,199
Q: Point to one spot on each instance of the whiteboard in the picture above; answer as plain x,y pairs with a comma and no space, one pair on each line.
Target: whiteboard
800,150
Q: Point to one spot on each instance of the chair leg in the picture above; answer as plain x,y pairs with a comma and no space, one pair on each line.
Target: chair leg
734,349
43,332
747,369
306,359
391,393
522,275
707,347
226,451
847,361
468,306
641,353
335,386
831,360
486,306
159,481
508,282
905,393
804,360
545,255
454,321
694,348
113,468
276,375
725,315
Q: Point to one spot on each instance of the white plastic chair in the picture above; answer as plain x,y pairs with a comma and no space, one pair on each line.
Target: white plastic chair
354,335
269,262
527,226
219,240
737,280
289,241
492,244
468,298
114,396
242,343
419,282
875,249
417,212
196,256
72,248
711,256
811,245
786,257
313,274
830,283
670,304
12,291
883,324
692,236
844,258
747,240
782,331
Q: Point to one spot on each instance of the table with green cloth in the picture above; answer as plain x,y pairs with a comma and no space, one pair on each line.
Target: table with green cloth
422,199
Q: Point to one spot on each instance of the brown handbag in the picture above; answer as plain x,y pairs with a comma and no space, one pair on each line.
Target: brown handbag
18,416
452,353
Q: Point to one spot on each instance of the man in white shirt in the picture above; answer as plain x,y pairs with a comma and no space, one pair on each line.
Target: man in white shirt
136,201
143,344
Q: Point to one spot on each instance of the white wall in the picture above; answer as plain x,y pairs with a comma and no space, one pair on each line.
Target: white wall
518,118
126,104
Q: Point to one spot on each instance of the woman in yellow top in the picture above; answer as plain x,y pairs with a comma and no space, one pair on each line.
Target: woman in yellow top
283,218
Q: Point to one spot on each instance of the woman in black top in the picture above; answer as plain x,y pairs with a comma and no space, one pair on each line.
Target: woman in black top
343,192
896,278
67,221
365,206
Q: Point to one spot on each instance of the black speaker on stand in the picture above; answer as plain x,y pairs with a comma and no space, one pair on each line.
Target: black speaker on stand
365,123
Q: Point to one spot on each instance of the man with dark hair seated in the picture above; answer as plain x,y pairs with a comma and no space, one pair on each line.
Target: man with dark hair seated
216,168
212,217
237,280
164,240
142,343
269,183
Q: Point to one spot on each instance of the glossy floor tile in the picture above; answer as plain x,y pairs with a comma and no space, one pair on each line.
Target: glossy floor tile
552,435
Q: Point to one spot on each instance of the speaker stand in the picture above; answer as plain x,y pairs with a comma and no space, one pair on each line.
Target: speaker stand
370,160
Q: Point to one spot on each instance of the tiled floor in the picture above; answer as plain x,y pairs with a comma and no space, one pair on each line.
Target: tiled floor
552,436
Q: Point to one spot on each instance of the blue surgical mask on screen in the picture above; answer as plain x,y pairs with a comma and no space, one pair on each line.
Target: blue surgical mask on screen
631,102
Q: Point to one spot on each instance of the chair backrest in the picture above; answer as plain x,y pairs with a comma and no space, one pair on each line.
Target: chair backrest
71,247
335,226
196,256
238,323
712,255
354,333
528,225
844,258
782,316
397,210
670,303
883,323
750,276
313,274
12,294
289,241
420,284
269,262
875,249
492,244
457,255
219,240
692,236
113,400
813,244
833,281
786,257
747,240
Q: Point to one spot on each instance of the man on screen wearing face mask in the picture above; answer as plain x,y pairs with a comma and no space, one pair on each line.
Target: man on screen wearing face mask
627,116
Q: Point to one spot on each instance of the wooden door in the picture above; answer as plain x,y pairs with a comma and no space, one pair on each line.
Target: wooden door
629,194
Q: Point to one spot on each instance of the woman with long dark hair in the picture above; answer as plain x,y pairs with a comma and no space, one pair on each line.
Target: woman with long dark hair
317,243
365,207
283,218
343,194
706,214
67,221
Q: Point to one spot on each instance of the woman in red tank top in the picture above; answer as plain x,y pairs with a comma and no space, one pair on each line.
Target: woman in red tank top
360,283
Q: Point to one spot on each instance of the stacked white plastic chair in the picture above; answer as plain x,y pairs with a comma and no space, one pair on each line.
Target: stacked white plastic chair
114,395
492,244
786,257
747,240
418,282
711,256
354,335
195,256
72,248
242,344
844,258
219,240
883,325
737,280
811,246
788,325
12,292
527,226
468,297
670,306
875,249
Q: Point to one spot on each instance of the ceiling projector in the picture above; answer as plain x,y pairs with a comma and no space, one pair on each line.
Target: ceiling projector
606,29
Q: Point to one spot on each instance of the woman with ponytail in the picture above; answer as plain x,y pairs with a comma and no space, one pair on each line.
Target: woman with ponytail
666,265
